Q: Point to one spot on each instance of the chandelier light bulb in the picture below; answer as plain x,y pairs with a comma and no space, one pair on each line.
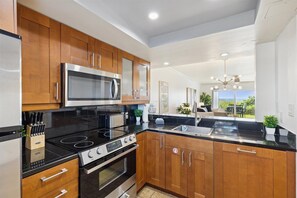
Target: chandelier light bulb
211,77
239,87
234,87
211,88
216,87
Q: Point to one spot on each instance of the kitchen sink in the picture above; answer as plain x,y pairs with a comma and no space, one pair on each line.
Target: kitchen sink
192,130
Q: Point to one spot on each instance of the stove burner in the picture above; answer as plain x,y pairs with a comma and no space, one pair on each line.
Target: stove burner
84,144
73,140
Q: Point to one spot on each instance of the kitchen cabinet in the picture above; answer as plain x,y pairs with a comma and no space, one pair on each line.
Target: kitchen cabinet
8,16
246,171
189,166
140,161
135,78
77,47
53,182
41,84
106,57
155,159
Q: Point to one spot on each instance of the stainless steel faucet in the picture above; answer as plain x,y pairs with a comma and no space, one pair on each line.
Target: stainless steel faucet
195,106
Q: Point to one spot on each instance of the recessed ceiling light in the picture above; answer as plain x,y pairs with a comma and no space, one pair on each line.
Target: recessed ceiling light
166,63
224,54
153,15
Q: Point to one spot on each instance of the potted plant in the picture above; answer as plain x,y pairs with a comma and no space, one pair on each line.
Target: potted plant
270,123
138,114
184,108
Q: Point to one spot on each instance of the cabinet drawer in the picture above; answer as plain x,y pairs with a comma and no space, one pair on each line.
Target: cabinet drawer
249,150
69,190
50,180
189,143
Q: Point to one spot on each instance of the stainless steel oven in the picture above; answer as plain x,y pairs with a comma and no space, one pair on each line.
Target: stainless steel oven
84,86
112,176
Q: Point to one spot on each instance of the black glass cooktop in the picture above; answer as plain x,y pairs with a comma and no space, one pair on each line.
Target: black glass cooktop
87,139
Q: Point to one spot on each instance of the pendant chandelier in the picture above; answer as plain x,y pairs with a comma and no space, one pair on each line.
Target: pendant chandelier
227,81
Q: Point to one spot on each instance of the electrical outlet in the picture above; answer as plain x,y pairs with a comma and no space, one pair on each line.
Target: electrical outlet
291,110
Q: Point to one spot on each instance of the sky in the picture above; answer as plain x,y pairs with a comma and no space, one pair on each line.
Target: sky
241,95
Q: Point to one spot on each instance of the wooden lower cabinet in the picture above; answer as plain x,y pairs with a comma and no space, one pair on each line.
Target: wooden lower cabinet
155,159
66,182
246,171
140,161
189,166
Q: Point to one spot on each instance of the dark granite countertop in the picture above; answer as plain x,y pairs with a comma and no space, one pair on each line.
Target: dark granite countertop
244,137
37,160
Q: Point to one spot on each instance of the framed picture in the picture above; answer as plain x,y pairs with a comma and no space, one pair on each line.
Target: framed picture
191,95
163,97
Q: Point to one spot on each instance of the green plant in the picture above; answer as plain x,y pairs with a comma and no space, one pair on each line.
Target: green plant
270,121
184,108
205,98
138,113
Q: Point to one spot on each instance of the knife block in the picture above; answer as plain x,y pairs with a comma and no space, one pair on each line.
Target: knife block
34,142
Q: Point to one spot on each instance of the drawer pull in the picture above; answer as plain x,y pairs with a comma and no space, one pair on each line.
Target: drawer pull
63,192
182,157
246,151
44,179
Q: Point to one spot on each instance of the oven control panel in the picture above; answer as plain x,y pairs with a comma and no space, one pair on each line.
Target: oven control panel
98,152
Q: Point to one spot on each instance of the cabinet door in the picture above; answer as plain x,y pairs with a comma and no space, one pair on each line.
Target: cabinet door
126,68
244,171
155,159
200,174
106,57
140,161
8,15
176,170
142,79
40,57
77,47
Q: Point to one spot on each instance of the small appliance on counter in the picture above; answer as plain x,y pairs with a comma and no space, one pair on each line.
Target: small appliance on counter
115,120
10,115
35,128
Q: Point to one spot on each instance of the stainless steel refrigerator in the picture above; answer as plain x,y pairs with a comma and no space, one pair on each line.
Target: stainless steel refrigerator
10,115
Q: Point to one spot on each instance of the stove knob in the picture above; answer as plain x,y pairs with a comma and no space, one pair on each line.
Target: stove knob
125,140
130,138
90,154
98,151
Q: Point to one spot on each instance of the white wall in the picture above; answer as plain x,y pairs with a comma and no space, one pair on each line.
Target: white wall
286,76
265,80
178,83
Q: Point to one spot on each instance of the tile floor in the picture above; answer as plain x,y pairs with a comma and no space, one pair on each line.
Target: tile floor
149,192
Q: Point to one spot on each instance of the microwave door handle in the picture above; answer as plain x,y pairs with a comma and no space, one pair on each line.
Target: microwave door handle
116,88
89,171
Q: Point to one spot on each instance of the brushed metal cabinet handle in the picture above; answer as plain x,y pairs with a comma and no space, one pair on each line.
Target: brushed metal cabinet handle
161,142
93,59
246,151
57,91
182,157
63,192
190,159
63,170
100,61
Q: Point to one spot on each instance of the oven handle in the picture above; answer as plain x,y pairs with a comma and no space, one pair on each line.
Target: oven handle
88,171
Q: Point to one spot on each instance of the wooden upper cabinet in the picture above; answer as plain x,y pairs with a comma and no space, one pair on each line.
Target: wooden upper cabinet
8,18
140,161
40,58
126,68
77,47
142,79
245,171
135,78
155,159
106,57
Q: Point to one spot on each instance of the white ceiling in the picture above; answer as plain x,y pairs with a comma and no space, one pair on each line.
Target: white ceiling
131,16
190,34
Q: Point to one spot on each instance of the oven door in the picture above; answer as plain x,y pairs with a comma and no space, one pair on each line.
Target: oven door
112,177
84,86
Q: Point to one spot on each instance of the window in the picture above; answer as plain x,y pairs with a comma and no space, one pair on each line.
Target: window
241,100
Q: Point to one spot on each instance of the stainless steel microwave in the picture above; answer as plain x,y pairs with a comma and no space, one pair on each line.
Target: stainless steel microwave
84,86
